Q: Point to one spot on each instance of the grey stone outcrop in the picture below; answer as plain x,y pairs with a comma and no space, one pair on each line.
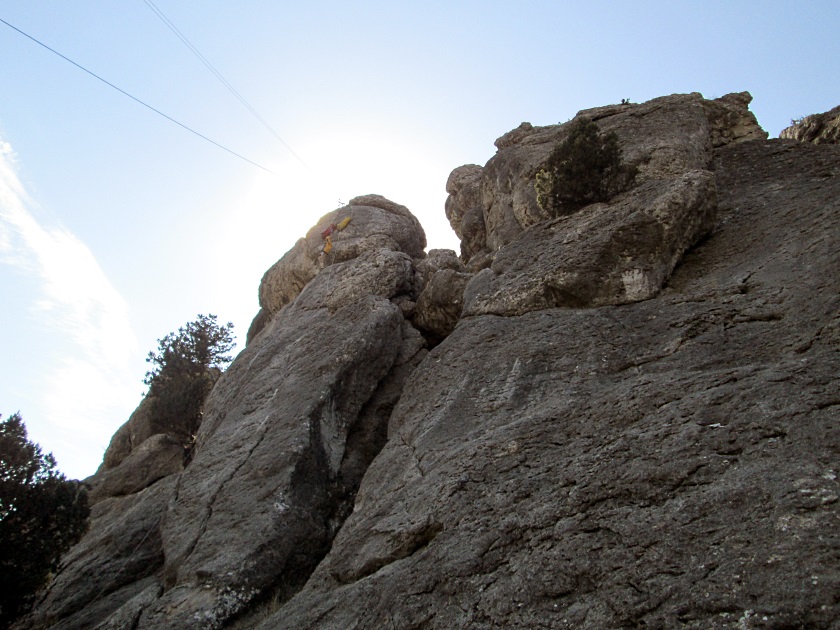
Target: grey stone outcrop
286,437
156,457
663,463
376,223
627,418
440,304
609,253
120,557
464,210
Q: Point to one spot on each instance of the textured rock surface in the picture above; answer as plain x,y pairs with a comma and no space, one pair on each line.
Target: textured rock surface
731,120
129,436
438,309
132,435
158,456
665,463
612,253
287,435
437,260
663,458
441,303
666,137
141,452
255,507
291,428
817,128
605,254
119,558
464,210
375,223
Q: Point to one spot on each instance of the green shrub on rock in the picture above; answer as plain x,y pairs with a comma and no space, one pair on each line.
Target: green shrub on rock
584,168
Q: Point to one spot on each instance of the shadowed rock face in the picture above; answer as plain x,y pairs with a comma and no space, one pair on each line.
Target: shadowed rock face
464,210
263,496
438,309
605,254
140,453
119,558
156,457
629,417
292,427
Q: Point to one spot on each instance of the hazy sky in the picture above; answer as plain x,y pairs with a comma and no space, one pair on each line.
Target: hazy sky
117,226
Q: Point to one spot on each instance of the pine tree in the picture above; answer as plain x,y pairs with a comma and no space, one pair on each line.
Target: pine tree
584,168
42,514
186,367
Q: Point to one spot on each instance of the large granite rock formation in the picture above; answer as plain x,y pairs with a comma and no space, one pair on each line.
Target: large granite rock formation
610,253
666,138
287,435
628,417
665,463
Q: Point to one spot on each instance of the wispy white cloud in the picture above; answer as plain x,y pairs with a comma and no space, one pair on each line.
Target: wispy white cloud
85,380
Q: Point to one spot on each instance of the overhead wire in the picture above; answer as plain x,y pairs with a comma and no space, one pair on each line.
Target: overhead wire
163,18
134,98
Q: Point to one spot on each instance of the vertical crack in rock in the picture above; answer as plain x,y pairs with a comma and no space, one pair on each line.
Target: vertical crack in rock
171,576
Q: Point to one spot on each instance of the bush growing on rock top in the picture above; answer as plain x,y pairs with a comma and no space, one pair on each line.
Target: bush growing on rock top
584,168
186,366
42,514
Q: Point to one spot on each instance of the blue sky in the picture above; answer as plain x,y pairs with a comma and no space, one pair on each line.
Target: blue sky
117,226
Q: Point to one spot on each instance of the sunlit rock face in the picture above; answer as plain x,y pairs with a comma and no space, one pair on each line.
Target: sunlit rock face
817,128
626,417
376,223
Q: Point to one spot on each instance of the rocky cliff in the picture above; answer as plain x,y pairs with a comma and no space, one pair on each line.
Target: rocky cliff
817,128
620,418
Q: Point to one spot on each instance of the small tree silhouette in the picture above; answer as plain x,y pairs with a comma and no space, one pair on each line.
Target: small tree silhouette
186,366
584,168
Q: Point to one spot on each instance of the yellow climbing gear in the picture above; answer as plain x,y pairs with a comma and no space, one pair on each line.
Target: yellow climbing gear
332,229
343,224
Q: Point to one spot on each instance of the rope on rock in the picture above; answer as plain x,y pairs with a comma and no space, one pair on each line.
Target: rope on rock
333,228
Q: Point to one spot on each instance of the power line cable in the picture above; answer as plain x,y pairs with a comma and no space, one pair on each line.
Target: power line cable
134,98
163,18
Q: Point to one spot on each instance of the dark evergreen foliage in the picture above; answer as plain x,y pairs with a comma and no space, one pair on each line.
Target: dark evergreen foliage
185,369
42,514
584,168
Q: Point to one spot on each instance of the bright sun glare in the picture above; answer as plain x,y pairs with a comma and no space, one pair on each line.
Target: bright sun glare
276,211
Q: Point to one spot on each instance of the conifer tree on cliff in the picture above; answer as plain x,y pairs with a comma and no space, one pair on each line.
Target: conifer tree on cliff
586,167
42,514
186,366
